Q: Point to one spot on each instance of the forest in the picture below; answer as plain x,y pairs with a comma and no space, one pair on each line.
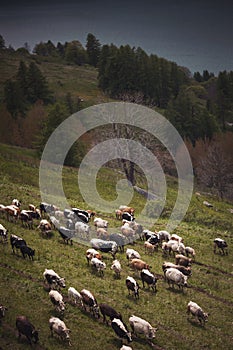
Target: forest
199,105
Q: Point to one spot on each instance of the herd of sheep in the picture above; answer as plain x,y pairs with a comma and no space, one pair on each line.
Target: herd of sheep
170,244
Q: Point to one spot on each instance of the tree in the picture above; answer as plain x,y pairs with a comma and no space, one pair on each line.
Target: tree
133,172
224,99
56,115
28,87
93,48
21,77
207,75
198,77
142,71
191,119
37,85
76,154
40,49
177,79
215,170
60,49
204,77
117,70
45,49
154,80
51,49
2,42
27,47
127,70
75,53
22,51
105,64
14,98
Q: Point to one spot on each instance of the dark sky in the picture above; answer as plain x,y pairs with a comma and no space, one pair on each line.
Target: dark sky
197,34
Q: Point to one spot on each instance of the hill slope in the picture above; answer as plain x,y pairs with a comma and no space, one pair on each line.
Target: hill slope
62,78
22,288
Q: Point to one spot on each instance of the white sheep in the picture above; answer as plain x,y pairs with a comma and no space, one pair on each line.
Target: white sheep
75,296
116,267
100,223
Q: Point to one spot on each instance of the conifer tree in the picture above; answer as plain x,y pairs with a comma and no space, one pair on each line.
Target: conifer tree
22,78
37,85
224,100
14,98
105,64
93,48
2,42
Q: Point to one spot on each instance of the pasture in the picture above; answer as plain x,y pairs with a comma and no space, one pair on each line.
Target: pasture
22,287
62,78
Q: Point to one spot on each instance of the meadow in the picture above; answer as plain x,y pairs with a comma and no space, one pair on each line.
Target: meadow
22,287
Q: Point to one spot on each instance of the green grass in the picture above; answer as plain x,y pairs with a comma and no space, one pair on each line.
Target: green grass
79,81
23,292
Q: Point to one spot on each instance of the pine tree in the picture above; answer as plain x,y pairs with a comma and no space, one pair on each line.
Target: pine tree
93,48
56,115
198,77
75,53
106,66
154,79
37,85
22,78
224,100
14,98
60,50
2,42
125,69
141,71
191,120
41,49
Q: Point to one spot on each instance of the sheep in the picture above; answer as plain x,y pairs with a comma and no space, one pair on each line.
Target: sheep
98,222
183,260
75,296
191,251
116,267
101,233
197,311
150,248
131,254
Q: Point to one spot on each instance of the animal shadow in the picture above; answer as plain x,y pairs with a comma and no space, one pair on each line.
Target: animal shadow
196,323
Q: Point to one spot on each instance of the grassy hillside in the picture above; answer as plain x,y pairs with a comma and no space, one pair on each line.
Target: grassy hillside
22,288
79,81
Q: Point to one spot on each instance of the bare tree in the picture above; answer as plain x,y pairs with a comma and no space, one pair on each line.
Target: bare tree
215,170
129,132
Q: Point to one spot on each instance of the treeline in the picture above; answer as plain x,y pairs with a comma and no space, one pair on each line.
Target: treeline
197,105
130,70
72,52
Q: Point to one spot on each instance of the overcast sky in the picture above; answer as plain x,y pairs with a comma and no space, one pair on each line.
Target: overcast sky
197,34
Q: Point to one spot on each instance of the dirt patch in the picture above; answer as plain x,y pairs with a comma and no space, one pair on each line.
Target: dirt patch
21,273
201,290
213,268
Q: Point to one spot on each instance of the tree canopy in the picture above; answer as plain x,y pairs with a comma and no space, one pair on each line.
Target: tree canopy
28,87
